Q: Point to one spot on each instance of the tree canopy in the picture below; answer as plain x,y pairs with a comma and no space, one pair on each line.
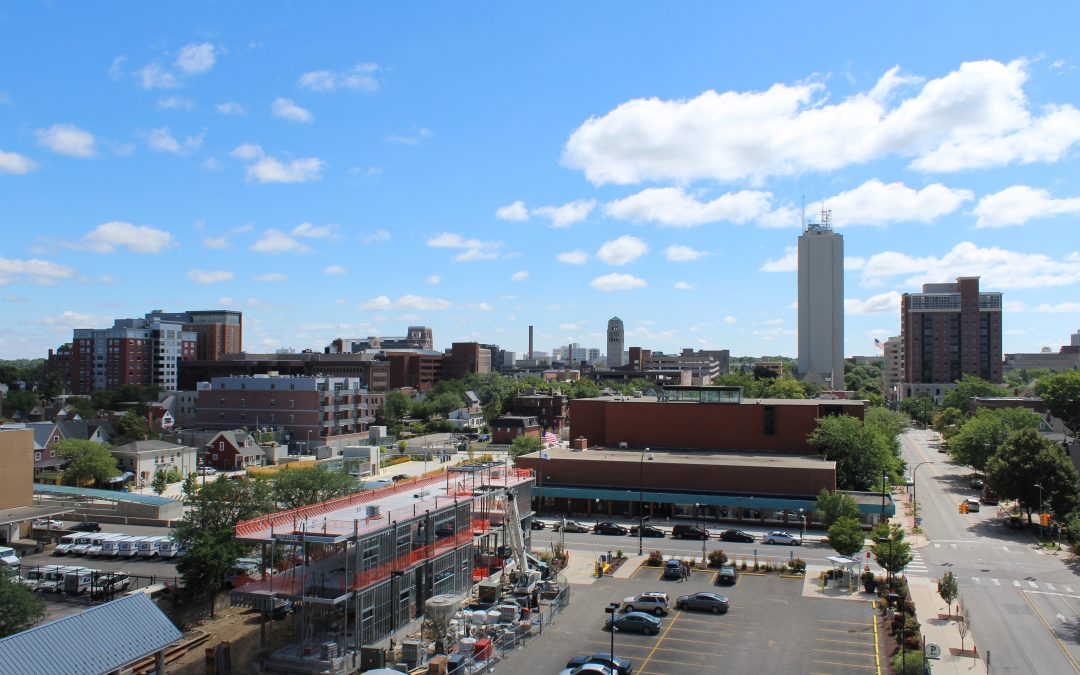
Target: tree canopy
523,445
299,487
833,505
920,408
890,548
861,451
979,437
19,607
19,400
132,427
1027,460
968,387
1061,391
846,536
87,461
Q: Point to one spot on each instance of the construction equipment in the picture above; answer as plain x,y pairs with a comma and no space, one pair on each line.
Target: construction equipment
518,574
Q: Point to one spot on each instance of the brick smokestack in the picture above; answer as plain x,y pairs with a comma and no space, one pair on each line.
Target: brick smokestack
530,342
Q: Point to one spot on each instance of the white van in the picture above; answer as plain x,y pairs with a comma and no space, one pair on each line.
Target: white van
66,542
111,547
34,577
168,548
8,557
96,541
148,547
129,547
79,580
52,580
81,544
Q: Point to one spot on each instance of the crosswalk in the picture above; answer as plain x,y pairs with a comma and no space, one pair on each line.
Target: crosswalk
917,566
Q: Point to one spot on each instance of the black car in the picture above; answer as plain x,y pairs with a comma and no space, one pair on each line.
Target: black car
977,482
709,602
689,532
88,526
728,575
647,531
737,535
634,622
619,665
674,569
400,476
535,524
609,528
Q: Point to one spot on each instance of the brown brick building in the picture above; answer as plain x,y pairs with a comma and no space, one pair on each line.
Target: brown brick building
551,410
374,373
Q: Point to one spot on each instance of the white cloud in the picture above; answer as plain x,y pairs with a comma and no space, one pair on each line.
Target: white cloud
414,138
195,59
515,211
567,214
34,271
974,117
314,231
678,253
70,320
360,77
14,163
674,207
217,243
684,286
474,249
1012,306
162,140
854,263
877,203
788,263
474,254
211,164
334,270
1018,204
617,282
569,326
209,277
272,277
276,241
520,275
730,320
575,257
116,234
175,103
999,268
1060,308
230,108
248,151
434,280
270,170
67,139
286,109
414,302
153,76
226,301
376,237
116,68
884,303
481,307
621,251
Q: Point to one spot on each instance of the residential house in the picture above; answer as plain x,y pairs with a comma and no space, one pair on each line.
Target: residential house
508,427
232,451
146,458
466,419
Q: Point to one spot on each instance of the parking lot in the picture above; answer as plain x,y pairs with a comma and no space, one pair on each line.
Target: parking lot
770,628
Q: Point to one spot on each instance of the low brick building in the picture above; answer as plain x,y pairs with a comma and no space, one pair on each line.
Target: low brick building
508,427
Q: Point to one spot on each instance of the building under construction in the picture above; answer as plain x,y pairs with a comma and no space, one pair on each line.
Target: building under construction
360,568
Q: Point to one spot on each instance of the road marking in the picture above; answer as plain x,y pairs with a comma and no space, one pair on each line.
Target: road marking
1068,589
1061,617
845,642
846,665
996,582
1060,595
837,651
1051,586
952,546
849,623
976,580
1057,640
1005,548
660,641
1033,584
1016,583
937,545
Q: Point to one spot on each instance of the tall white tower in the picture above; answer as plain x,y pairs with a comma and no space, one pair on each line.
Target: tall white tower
821,304
614,342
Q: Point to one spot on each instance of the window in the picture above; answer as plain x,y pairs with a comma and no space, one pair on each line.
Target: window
221,446
214,456
37,456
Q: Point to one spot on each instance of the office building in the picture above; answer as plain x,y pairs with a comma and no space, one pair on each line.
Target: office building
821,305
416,337
133,351
371,369
218,331
950,330
892,370
615,341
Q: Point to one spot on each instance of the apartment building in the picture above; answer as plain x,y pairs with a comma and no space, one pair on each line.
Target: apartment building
370,369
134,351
892,371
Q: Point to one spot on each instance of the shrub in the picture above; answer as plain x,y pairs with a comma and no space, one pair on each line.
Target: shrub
743,566
797,565
619,554
717,558
656,559
910,664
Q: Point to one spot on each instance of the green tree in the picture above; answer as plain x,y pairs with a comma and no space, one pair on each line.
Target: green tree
890,549
1025,460
86,461
1061,392
83,407
846,536
948,589
207,531
446,403
19,607
1072,531
132,427
191,484
523,445
299,487
19,400
833,505
948,422
781,387
920,408
395,408
160,482
860,452
979,437
968,387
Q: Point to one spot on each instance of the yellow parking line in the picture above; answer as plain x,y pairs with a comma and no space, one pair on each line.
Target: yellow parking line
844,631
846,665
845,642
838,651
877,643
847,623
660,641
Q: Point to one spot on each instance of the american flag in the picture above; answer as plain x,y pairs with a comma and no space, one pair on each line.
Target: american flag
549,438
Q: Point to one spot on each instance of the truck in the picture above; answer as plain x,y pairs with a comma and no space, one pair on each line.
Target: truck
97,542
148,547
52,580
110,548
81,544
78,581
129,546
168,548
106,585
8,557
66,542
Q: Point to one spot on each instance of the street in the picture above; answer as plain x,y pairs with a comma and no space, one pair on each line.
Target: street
1021,600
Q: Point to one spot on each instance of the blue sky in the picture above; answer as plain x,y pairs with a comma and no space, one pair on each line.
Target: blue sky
348,170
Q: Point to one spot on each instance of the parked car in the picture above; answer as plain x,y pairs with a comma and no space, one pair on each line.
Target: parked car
654,604
618,665
989,496
400,476
778,537
737,535
708,602
972,505
108,584
588,669
208,470
634,622
88,526
674,569
689,532
570,526
445,530
610,528
977,482
647,531
728,575
48,524
535,524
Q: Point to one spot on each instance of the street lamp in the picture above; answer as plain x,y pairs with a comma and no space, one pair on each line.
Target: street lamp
641,500
597,511
612,609
884,480
888,570
914,501
802,525
1039,485
704,532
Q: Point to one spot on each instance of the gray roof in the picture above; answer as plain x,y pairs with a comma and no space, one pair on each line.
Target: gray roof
100,640
146,446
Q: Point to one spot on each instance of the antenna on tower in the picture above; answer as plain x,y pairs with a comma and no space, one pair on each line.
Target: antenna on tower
802,218
826,217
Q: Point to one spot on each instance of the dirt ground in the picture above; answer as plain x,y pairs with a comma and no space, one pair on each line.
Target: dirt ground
240,628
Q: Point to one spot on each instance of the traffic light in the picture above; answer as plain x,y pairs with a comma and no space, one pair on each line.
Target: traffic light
1044,518
963,507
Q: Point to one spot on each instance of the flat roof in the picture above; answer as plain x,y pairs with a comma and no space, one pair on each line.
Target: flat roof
21,514
712,457
117,495
743,401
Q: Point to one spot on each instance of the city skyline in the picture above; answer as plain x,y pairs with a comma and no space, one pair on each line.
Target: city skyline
353,171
